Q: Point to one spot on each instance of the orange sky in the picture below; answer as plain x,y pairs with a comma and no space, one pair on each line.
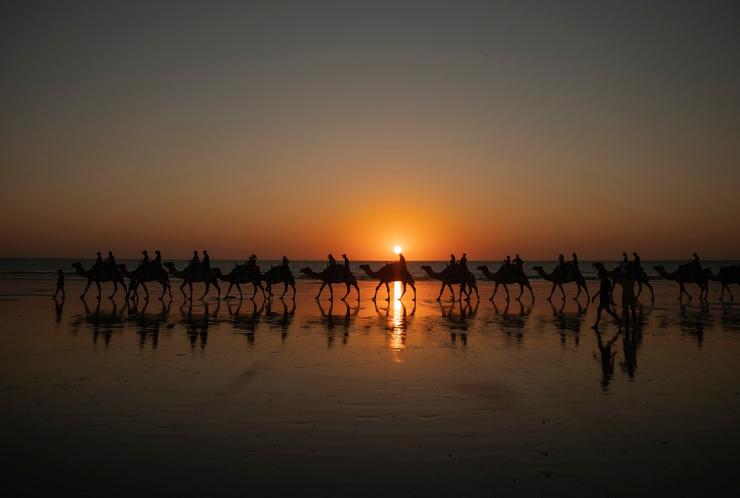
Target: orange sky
284,132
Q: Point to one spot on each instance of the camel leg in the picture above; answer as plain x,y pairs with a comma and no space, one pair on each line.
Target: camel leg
86,287
413,286
285,289
495,290
652,293
521,291
475,288
205,293
190,286
529,286
293,285
228,291
439,296
562,290
146,291
357,288
578,287
388,292
331,292
182,289
554,285
321,289
639,290
218,289
506,288
403,290
349,289
452,292
732,298
164,289
375,296
99,291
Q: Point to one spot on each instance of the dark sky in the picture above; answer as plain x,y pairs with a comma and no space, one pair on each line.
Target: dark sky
489,126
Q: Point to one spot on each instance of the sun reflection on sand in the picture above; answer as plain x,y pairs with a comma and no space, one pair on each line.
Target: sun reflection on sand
397,337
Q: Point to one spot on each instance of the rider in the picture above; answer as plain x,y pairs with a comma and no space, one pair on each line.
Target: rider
697,263
346,261
575,261
252,261
99,260
561,262
158,258
206,259
196,259
111,259
285,261
452,260
623,265
636,266
518,262
145,260
464,260
331,261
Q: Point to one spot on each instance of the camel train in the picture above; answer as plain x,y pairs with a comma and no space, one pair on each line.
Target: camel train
455,273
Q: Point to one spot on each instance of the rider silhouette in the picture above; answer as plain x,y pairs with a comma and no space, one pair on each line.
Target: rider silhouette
285,261
575,261
464,260
145,260
99,260
111,259
697,263
331,261
252,261
158,258
196,259
452,260
206,259
346,261
518,261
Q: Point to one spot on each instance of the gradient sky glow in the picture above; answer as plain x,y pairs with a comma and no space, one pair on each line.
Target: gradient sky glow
309,127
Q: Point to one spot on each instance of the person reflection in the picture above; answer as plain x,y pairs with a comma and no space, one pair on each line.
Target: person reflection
58,308
606,358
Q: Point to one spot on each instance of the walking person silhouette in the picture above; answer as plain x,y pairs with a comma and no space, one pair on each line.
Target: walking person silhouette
605,300
60,283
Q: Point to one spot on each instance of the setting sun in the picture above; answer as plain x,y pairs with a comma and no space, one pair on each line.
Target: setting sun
397,249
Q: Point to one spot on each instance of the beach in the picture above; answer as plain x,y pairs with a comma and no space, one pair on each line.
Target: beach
275,397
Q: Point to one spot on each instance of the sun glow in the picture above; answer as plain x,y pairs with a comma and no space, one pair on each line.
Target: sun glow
397,249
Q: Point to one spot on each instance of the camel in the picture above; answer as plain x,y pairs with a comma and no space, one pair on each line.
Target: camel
97,274
727,275
505,277
278,274
143,274
242,274
615,275
390,272
686,274
558,278
453,274
338,274
190,275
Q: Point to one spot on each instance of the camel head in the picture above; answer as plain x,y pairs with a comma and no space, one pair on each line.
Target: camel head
426,268
77,266
364,267
483,268
307,271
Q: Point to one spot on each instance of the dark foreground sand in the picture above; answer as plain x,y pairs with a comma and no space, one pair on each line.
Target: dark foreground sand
238,399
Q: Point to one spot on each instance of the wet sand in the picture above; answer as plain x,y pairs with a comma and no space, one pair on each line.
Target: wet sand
438,399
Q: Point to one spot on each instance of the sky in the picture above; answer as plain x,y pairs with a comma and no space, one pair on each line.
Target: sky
303,128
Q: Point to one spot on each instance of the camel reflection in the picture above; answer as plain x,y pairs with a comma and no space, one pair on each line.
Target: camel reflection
198,324
246,321
337,324
280,321
512,322
569,323
149,324
458,318
101,323
730,317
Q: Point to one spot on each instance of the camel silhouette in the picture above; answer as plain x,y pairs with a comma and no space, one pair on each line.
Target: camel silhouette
146,272
687,274
101,273
616,277
390,272
195,273
336,274
276,275
454,274
506,276
242,274
560,277
726,275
